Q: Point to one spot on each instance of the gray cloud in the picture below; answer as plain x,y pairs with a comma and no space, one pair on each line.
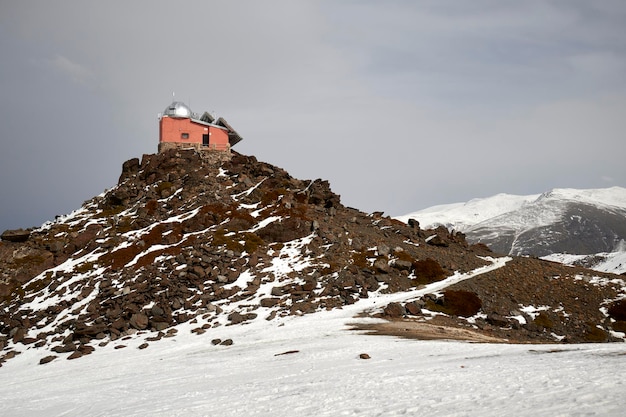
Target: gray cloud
399,104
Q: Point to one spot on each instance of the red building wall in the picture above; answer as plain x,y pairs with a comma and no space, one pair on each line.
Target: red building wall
185,131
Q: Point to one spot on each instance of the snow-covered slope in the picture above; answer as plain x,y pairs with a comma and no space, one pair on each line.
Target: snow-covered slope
613,262
558,221
311,366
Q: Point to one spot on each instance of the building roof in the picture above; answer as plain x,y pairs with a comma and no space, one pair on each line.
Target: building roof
233,136
207,117
177,109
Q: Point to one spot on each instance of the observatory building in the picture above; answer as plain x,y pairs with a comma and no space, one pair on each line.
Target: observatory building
179,127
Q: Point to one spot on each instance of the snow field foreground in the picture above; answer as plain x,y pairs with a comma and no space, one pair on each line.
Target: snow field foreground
323,376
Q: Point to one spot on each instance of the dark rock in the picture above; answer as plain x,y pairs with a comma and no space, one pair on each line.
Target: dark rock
19,334
269,302
497,320
305,307
227,342
414,224
236,318
70,347
402,265
289,352
129,168
413,309
284,231
89,330
157,311
86,349
394,310
160,325
47,359
139,321
28,340
438,241
15,235
617,310
277,291
56,246
309,285
382,265
364,356
75,355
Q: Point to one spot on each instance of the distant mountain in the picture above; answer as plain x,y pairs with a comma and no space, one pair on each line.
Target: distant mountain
582,222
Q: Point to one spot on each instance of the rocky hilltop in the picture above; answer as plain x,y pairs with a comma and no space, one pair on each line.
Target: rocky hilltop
185,240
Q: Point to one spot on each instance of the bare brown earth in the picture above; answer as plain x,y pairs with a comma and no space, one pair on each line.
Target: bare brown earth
420,330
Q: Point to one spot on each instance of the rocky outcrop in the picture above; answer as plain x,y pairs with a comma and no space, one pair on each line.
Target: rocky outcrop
16,235
528,300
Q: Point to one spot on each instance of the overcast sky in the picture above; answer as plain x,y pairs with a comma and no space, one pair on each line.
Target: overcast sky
401,105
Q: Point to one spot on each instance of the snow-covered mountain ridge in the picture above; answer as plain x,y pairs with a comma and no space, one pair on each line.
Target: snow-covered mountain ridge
559,221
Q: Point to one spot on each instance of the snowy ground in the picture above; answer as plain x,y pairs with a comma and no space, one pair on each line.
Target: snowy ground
186,375
613,262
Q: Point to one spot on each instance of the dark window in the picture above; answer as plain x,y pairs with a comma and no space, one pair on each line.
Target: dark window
184,135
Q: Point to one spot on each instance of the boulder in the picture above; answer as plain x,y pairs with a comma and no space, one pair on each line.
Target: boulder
139,321
414,224
16,235
401,265
382,265
269,302
437,240
47,359
394,310
413,308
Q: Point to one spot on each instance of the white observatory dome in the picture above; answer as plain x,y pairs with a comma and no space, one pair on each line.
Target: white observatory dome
177,109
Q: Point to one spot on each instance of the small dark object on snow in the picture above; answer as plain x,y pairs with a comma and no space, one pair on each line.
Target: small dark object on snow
289,352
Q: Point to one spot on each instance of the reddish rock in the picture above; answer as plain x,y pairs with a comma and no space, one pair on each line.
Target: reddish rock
47,359
413,309
394,310
77,354
139,321
18,336
269,302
